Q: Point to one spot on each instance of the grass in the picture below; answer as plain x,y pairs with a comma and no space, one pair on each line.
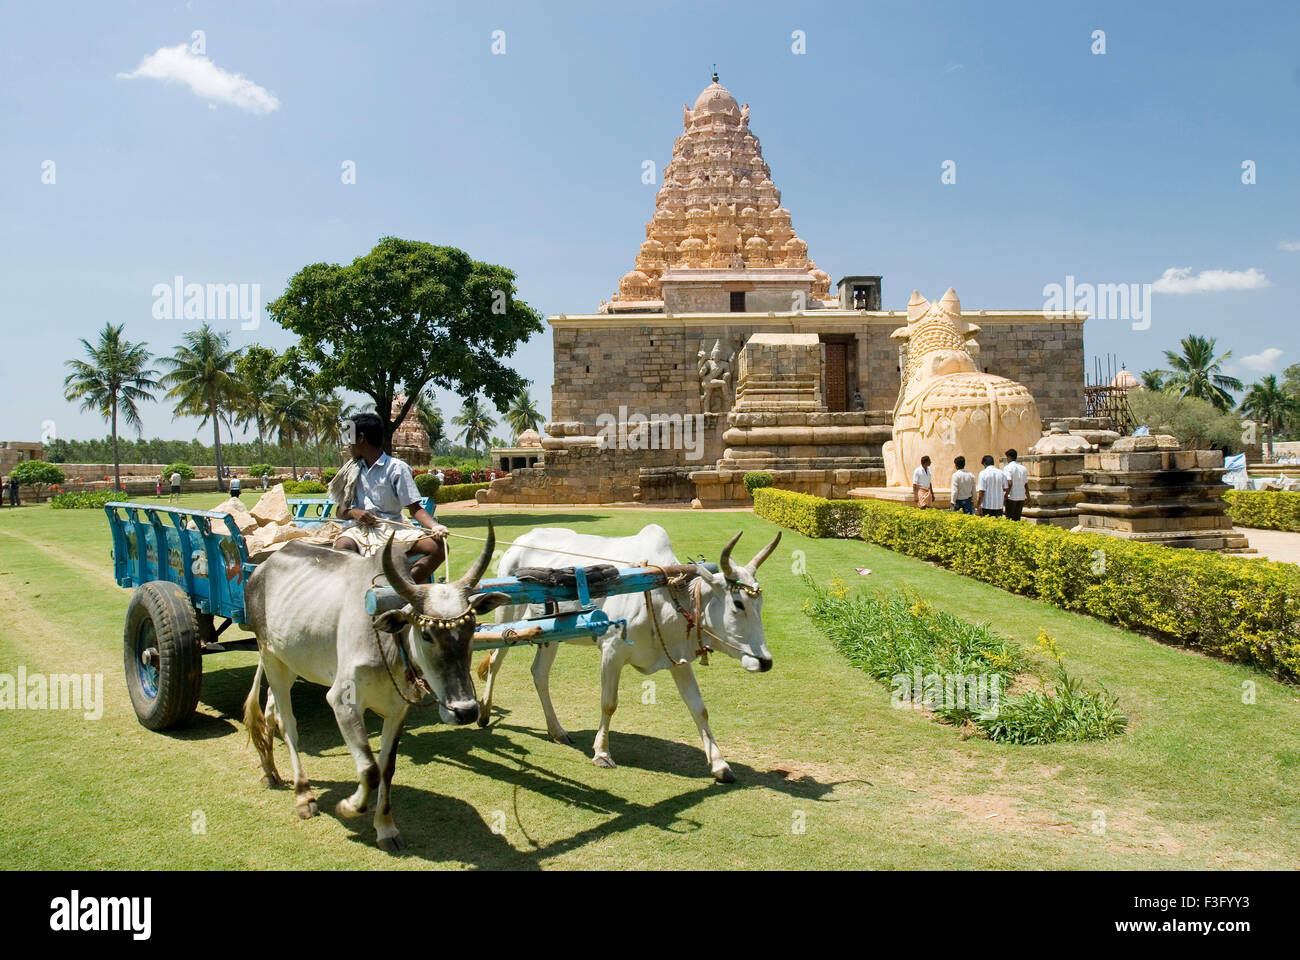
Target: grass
1201,779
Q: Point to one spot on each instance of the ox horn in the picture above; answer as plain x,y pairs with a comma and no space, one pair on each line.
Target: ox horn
397,576
724,562
764,553
475,573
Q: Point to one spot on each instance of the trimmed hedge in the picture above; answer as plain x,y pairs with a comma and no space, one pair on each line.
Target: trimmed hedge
1246,610
757,479
1266,509
450,493
427,484
303,488
85,500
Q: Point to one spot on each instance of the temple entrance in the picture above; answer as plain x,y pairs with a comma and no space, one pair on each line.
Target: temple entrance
835,376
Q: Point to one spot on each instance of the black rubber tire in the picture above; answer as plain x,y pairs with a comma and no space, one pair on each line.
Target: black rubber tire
164,608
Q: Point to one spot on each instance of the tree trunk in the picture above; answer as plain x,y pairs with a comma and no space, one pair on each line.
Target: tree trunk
117,460
216,443
261,445
293,458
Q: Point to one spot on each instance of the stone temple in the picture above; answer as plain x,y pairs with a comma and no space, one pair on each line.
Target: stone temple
726,349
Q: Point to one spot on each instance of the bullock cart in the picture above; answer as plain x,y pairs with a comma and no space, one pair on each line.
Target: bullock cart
188,568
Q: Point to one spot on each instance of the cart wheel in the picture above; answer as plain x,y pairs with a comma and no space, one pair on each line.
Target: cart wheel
161,654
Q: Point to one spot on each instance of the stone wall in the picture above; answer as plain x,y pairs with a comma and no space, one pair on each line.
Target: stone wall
1046,357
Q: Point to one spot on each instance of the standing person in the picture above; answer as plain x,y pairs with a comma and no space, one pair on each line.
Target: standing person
176,486
1017,485
963,487
234,487
922,489
990,489
3,486
371,491
264,480
157,487
14,500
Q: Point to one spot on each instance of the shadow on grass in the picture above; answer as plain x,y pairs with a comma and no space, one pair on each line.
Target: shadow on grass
443,829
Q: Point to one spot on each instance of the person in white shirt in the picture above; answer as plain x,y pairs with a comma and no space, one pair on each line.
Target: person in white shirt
1017,485
963,487
921,485
990,489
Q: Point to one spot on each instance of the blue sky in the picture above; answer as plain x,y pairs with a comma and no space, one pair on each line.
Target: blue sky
1109,168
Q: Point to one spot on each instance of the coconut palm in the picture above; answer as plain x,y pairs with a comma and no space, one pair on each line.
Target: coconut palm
202,381
1196,372
430,416
326,409
476,424
1153,379
523,414
1268,403
291,418
257,369
113,379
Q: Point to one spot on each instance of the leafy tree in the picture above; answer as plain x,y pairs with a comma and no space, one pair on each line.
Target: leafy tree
1268,403
257,369
1193,421
113,379
523,414
1197,372
184,469
36,473
1153,379
202,380
476,424
406,315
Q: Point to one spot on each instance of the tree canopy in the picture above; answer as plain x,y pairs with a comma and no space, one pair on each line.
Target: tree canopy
403,316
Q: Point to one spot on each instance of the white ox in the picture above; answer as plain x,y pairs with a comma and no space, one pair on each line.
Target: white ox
307,606
731,615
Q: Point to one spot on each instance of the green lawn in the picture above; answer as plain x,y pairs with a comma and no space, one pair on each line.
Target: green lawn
828,775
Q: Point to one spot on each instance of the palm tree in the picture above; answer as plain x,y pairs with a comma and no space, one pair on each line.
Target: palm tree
476,424
523,414
1153,380
1268,403
430,416
326,409
257,369
114,379
1196,372
203,383
291,417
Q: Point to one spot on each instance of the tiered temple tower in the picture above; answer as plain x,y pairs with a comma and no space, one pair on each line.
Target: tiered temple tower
720,241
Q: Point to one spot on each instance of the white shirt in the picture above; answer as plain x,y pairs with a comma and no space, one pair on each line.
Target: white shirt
963,485
176,479
992,482
921,477
1018,477
385,487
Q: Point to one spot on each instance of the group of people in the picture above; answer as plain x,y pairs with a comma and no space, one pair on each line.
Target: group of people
9,488
995,492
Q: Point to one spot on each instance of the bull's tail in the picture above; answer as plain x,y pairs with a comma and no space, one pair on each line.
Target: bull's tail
484,666
259,733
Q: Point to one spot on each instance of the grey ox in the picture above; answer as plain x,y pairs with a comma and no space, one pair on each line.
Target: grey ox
662,627
307,606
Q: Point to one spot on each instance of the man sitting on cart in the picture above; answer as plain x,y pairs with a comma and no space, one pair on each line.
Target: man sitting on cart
371,492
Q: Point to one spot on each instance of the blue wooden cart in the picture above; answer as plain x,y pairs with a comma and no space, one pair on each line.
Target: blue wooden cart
188,588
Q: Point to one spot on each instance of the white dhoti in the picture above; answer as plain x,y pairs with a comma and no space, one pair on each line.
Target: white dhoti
371,540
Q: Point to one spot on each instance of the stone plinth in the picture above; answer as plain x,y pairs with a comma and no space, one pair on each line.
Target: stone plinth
1146,489
1055,468
779,424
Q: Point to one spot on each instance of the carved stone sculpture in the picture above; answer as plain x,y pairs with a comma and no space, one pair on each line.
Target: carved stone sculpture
946,407
716,379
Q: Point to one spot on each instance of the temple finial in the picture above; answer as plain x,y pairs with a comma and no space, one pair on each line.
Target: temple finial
715,73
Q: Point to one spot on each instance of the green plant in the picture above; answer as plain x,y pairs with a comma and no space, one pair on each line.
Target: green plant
184,469
1267,509
36,473
756,479
1245,610
329,473
303,488
261,470
85,500
450,493
1066,714
427,484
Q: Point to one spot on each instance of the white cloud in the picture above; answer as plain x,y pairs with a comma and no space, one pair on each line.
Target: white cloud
1181,280
207,80
1290,246
1263,362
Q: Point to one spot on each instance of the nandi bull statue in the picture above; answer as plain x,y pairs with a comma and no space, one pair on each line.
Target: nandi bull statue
946,407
